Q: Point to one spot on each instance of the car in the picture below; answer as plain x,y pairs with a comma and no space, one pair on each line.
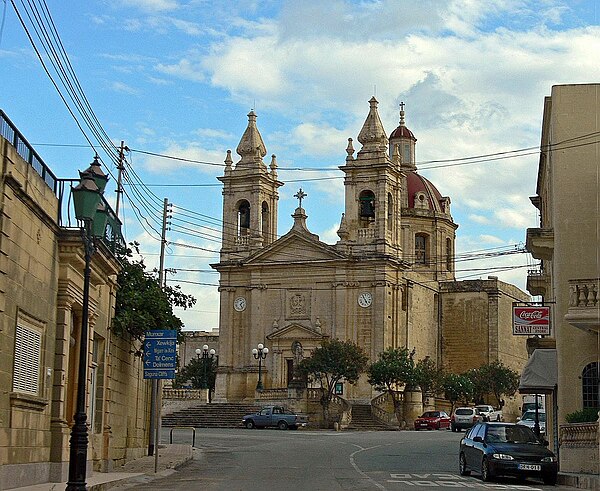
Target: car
432,420
506,449
277,416
464,418
528,419
489,413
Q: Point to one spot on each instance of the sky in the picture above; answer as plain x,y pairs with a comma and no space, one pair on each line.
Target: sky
177,78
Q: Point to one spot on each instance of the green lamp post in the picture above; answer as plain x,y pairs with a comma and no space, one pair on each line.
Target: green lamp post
87,196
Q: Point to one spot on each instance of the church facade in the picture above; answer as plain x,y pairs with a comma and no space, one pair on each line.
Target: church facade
386,282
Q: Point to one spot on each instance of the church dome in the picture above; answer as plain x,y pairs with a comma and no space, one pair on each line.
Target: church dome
422,194
402,132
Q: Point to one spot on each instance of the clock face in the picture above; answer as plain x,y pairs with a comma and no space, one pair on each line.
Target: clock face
239,304
365,299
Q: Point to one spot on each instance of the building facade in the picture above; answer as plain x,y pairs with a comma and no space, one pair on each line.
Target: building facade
41,296
567,243
388,281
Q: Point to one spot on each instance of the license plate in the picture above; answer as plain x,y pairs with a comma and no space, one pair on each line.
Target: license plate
530,467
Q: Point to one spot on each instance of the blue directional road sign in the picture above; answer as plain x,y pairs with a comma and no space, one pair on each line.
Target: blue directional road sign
160,355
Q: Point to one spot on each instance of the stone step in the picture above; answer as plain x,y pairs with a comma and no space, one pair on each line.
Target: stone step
214,415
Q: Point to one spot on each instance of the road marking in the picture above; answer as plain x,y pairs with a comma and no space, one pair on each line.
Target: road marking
437,480
357,469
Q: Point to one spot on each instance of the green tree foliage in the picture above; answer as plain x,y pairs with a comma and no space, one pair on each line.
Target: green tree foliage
394,367
199,372
494,378
330,363
428,376
457,388
141,304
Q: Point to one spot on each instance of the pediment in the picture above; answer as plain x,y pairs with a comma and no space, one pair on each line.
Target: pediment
294,247
295,332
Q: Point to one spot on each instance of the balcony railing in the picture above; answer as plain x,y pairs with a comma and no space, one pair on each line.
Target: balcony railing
584,311
9,131
579,435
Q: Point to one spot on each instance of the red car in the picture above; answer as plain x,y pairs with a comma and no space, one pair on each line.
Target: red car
432,420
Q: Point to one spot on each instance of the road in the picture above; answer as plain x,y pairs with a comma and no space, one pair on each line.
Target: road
264,460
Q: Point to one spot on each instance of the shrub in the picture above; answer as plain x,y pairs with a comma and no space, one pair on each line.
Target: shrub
587,415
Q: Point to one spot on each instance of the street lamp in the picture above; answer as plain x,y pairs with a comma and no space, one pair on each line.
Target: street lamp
87,197
205,354
260,353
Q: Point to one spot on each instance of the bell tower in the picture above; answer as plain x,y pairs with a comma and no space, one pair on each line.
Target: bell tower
373,180
250,197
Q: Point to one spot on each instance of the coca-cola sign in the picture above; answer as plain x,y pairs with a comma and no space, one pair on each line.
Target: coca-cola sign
529,321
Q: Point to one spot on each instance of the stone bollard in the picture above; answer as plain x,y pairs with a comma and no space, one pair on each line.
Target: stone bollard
336,426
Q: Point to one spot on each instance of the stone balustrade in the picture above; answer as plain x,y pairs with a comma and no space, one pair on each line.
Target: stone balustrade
579,435
272,394
179,394
584,311
366,233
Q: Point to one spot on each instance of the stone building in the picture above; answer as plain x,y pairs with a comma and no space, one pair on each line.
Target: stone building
567,243
41,292
388,281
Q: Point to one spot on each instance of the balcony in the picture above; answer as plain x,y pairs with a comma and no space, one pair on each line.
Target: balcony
538,282
584,309
540,243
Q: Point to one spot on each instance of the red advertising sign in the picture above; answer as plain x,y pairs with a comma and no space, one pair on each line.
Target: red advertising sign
529,321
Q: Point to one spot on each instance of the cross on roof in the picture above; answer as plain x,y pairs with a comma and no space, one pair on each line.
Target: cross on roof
402,106
300,195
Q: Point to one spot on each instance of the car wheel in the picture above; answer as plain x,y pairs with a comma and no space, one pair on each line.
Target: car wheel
550,479
462,466
486,475
250,424
282,425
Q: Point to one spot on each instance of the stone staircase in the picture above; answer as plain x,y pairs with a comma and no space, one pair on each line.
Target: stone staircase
363,420
214,415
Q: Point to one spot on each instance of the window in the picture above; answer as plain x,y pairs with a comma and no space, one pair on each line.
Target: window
367,204
406,156
589,381
390,212
449,254
244,218
265,220
26,374
420,249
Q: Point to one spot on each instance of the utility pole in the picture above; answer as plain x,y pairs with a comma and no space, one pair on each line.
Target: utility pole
120,168
156,383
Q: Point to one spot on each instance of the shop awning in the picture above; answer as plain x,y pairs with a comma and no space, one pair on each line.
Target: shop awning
540,374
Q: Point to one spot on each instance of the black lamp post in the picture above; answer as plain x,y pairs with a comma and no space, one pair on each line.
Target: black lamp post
260,353
205,354
87,197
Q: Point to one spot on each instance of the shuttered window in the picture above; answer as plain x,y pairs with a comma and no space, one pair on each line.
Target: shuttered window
26,376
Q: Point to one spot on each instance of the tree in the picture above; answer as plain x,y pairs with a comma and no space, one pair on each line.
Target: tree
457,388
200,372
427,375
502,380
141,304
328,364
394,368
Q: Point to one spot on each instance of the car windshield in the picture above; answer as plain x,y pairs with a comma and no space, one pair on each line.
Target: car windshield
430,414
510,434
463,412
530,416
484,408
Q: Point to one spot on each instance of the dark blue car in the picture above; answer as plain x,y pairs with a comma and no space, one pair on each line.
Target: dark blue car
506,449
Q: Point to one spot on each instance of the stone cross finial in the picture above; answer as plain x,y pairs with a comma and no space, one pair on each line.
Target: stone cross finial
300,195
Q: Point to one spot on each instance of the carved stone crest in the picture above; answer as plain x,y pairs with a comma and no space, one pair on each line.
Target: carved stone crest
298,305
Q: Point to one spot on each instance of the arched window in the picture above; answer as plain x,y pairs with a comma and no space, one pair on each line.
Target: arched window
244,218
589,382
265,220
449,254
366,201
421,245
390,212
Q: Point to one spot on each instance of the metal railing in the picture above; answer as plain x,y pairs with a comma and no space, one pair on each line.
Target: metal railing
9,131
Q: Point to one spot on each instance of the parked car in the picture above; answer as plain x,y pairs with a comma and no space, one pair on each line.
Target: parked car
464,418
528,419
506,449
489,413
432,420
277,416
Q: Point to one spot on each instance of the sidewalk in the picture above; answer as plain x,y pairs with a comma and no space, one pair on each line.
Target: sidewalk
170,457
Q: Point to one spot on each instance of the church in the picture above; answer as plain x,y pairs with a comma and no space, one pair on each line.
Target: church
388,281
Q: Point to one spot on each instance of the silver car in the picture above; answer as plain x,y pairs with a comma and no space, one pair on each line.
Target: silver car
528,419
464,418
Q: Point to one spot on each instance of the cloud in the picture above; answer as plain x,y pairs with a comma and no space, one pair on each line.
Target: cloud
185,69
152,5
490,239
124,88
482,220
193,156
